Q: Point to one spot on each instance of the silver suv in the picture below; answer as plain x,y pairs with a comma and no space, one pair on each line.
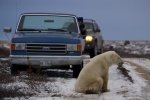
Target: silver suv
93,39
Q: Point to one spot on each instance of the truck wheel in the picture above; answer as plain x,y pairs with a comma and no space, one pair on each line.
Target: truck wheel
93,52
76,70
14,69
101,50
36,70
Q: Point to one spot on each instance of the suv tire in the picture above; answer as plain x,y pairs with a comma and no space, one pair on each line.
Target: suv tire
93,52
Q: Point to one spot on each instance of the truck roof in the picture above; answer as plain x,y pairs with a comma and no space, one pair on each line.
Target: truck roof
63,14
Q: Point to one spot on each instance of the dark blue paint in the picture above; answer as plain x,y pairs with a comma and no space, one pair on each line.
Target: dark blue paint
67,38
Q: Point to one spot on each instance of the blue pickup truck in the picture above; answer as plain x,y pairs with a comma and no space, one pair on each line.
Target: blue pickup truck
47,40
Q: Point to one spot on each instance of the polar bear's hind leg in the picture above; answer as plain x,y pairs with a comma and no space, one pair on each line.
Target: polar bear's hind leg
95,87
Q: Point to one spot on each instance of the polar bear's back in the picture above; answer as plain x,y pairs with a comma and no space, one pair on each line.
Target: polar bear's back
91,70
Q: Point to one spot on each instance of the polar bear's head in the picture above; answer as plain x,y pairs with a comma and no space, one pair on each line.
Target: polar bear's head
115,58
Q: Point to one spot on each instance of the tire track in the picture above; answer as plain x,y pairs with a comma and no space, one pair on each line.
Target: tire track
146,75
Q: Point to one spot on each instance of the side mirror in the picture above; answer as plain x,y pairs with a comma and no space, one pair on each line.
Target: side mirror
7,29
98,30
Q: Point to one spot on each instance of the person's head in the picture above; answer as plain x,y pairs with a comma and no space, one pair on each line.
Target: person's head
80,19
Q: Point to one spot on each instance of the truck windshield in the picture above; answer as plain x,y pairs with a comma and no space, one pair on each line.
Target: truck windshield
47,23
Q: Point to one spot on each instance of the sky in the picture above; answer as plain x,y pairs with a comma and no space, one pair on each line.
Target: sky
118,19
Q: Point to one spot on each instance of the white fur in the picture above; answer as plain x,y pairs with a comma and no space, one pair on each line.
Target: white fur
93,78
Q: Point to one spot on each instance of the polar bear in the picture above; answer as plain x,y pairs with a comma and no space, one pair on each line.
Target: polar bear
93,78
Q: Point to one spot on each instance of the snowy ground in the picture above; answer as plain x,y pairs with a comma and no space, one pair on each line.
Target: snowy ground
58,84
62,88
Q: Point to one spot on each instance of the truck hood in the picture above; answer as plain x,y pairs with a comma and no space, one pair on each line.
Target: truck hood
46,38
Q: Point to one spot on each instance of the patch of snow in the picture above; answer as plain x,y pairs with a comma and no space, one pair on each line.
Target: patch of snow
147,48
121,88
135,47
141,61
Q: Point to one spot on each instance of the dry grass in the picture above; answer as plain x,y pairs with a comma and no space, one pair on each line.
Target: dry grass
6,93
34,83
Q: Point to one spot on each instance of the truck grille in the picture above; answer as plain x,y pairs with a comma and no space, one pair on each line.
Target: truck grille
46,49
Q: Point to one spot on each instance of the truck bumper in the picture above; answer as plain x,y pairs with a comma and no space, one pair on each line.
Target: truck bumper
46,60
89,46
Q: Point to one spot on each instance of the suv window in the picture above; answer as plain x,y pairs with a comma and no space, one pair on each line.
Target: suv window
96,27
88,25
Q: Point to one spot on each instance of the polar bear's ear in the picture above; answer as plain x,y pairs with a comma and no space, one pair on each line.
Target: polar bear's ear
113,52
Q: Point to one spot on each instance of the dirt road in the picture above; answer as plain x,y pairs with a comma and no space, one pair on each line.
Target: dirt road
145,73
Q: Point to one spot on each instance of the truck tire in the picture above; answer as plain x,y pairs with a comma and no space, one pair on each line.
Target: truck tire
14,69
36,70
77,69
101,50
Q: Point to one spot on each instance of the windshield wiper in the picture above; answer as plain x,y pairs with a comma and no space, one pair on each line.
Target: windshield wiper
30,29
61,30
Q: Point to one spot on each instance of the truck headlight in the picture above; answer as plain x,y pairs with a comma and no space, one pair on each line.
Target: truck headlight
73,47
88,38
18,46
